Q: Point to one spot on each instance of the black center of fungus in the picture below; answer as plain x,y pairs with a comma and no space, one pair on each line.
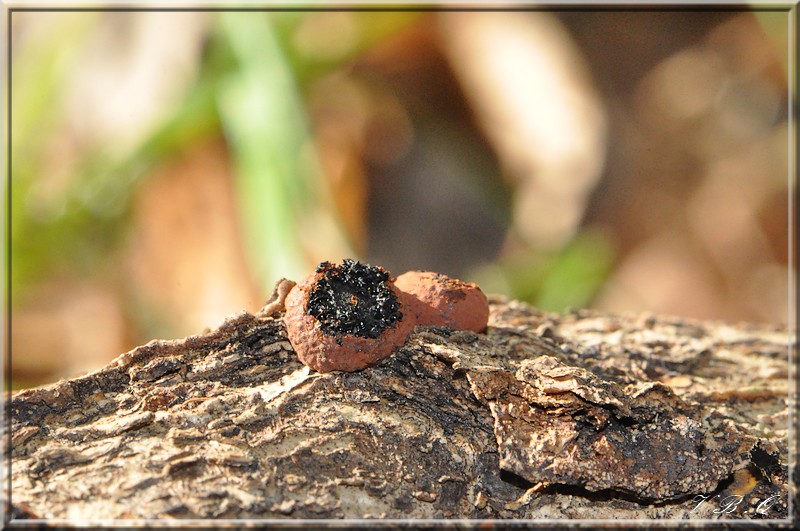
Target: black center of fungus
353,298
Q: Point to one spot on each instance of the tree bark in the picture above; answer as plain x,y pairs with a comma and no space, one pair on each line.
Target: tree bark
580,415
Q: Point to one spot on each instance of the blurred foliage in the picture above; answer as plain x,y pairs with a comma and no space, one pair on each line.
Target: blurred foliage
774,25
287,99
554,280
265,127
250,87
38,72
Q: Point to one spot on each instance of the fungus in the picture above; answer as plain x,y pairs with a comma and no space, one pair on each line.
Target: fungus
346,317
438,300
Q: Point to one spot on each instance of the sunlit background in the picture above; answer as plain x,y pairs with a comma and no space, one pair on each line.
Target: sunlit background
169,167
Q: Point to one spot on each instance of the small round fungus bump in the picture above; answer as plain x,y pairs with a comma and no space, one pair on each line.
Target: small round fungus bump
346,317
438,300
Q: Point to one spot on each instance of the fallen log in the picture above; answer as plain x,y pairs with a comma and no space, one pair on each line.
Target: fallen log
583,415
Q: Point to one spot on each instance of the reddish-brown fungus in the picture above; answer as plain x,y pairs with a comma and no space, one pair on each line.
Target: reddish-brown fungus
438,300
346,317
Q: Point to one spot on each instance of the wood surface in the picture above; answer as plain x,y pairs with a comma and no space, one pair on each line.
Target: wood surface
581,415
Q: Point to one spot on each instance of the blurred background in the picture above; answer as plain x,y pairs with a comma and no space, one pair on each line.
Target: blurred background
169,167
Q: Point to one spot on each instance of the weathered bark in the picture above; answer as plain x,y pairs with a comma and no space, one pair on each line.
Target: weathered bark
582,415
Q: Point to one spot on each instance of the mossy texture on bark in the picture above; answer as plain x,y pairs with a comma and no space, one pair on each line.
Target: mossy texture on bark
577,415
